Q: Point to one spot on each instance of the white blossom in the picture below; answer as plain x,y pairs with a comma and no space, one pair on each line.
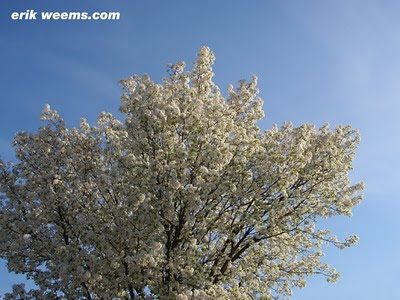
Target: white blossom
184,198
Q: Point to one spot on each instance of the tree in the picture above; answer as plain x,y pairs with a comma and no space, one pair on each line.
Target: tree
184,199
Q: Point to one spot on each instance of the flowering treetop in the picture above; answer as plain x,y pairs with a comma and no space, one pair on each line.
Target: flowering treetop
185,198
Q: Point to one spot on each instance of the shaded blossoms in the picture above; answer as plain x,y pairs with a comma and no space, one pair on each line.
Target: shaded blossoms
185,198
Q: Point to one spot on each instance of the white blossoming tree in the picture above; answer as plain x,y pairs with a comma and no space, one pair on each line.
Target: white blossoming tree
184,198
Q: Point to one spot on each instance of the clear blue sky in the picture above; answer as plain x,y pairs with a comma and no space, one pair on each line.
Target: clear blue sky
317,61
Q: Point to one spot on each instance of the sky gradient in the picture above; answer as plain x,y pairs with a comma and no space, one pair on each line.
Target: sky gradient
317,61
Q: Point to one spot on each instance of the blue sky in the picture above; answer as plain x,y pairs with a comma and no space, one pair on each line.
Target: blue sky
317,61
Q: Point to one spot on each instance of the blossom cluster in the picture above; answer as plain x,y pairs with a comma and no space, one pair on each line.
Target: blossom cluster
185,198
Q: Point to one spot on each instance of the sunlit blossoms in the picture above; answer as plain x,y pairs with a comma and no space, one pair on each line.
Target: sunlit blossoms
185,198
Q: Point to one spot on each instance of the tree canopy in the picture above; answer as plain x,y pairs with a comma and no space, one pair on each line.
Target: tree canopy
184,198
